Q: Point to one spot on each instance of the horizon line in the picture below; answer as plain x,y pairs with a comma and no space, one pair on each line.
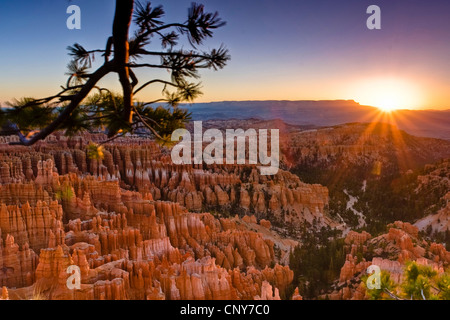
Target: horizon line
298,100
317,100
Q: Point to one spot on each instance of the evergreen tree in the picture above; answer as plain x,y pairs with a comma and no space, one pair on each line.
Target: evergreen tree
75,108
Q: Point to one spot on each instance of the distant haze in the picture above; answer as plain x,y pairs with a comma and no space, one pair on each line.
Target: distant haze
426,123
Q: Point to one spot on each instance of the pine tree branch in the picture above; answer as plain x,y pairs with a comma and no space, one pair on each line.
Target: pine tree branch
113,138
147,33
392,295
155,101
134,79
423,296
148,65
155,81
108,50
146,124
172,53
49,99
65,114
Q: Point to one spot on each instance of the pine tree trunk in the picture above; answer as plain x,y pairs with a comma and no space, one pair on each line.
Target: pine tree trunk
121,26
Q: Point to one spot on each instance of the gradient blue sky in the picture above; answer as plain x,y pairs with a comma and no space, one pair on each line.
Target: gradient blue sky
287,50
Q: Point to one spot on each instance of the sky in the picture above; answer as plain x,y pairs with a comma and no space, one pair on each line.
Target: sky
280,50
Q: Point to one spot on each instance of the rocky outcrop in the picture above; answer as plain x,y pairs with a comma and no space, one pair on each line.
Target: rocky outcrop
352,267
39,226
5,295
356,238
296,295
17,264
400,244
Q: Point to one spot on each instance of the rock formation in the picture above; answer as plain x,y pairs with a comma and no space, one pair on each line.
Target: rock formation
400,244
130,223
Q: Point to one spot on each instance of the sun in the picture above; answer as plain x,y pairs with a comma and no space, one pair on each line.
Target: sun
388,94
388,102
387,108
